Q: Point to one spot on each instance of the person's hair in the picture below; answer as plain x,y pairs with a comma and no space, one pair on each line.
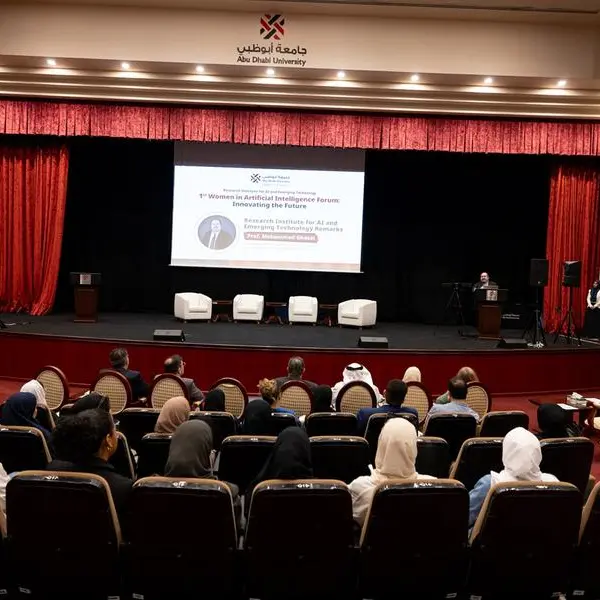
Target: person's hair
322,399
268,390
395,392
90,401
118,358
467,374
173,363
78,437
295,366
457,388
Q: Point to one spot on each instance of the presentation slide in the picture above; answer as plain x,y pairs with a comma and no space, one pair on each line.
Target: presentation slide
257,217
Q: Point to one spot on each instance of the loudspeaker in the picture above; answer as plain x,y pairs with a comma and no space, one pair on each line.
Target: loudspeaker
572,273
169,335
512,343
373,342
538,272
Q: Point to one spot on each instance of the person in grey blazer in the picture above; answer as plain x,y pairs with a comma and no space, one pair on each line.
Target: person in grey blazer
176,365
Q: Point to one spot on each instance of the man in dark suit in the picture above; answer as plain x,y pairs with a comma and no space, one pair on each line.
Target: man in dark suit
295,371
175,365
484,283
394,397
216,238
119,361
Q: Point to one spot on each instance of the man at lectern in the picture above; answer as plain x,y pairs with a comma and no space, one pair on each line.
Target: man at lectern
484,283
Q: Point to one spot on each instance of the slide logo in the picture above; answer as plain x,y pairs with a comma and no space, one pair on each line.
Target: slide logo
255,178
271,26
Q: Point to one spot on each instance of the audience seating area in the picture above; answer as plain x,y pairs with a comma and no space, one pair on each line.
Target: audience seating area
297,539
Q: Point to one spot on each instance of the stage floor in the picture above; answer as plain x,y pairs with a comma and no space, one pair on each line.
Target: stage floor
140,327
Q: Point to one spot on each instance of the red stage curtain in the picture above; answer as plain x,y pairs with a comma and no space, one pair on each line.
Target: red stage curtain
33,192
297,128
573,234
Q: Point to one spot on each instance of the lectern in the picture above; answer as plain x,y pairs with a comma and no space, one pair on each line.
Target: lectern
86,296
489,313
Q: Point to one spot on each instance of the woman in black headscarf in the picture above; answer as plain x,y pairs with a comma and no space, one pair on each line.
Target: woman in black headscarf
214,401
256,418
322,399
289,459
20,410
591,325
552,422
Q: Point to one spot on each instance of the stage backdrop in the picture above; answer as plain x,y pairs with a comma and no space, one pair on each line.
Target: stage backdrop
429,217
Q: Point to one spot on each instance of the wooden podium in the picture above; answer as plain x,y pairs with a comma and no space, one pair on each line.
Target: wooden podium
489,312
86,296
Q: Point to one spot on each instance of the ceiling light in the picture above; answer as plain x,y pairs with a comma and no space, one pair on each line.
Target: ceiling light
341,74
50,62
199,69
414,78
270,72
561,83
488,80
125,65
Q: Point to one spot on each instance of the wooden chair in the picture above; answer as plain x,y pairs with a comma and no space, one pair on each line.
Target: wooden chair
297,396
117,387
478,398
236,396
166,386
55,386
418,397
355,395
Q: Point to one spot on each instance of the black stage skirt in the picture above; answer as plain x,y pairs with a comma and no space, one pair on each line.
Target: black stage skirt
591,324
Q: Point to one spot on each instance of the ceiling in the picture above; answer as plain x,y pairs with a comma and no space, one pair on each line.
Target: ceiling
572,11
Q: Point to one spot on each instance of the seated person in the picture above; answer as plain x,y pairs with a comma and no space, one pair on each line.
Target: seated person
174,412
552,422
3,482
395,459
270,394
295,372
394,397
119,361
321,399
91,400
467,375
354,372
84,443
214,401
175,365
20,410
191,454
290,458
521,457
35,387
256,419
412,374
457,393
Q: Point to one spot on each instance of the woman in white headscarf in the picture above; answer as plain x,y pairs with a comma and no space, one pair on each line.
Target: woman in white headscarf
395,459
35,387
354,372
521,457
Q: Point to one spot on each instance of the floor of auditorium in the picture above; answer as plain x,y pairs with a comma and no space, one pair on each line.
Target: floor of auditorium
8,387
140,327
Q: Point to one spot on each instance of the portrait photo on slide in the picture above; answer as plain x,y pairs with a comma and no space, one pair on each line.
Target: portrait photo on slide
216,232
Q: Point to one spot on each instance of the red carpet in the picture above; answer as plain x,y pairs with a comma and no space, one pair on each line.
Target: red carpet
8,387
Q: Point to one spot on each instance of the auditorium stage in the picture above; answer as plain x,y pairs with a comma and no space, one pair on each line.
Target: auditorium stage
127,327
248,351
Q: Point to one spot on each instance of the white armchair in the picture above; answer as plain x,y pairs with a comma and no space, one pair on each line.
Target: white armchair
360,313
303,309
190,306
248,307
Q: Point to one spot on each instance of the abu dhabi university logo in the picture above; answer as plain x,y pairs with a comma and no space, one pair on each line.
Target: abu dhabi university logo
272,27
255,178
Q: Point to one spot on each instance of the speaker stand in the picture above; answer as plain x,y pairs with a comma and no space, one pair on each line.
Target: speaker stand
535,329
569,321
454,305
3,325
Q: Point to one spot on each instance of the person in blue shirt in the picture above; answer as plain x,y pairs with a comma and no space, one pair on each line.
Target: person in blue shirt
269,391
394,397
521,457
457,394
